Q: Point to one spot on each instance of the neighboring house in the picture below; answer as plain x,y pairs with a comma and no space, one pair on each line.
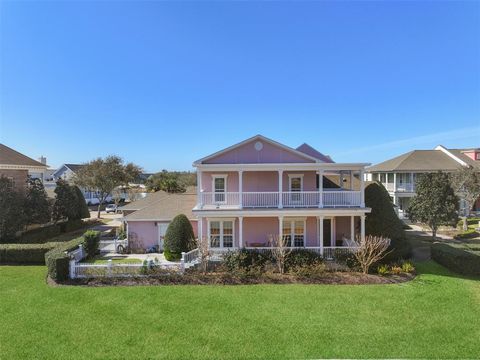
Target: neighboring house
147,219
260,188
18,167
399,174
67,172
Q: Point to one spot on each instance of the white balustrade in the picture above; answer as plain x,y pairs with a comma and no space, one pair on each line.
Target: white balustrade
290,199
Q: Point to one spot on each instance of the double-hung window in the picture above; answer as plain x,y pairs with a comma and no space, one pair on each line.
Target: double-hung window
221,234
294,233
296,187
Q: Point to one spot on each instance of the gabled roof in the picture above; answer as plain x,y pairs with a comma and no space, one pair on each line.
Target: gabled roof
153,198
165,208
8,156
459,153
418,160
307,149
74,167
307,157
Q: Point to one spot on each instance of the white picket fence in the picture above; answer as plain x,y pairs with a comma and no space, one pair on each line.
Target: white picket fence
111,269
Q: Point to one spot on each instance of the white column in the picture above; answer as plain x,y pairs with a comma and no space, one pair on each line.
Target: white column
411,181
362,188
351,179
320,188
333,235
199,188
341,180
320,220
280,189
240,232
352,227
200,229
240,187
362,227
280,228
394,181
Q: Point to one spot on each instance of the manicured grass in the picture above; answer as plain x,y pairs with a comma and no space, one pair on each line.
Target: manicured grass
434,316
115,260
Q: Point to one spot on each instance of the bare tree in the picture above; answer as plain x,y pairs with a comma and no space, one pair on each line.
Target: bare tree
280,250
203,249
370,250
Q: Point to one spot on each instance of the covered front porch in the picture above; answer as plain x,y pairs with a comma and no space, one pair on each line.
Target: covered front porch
325,234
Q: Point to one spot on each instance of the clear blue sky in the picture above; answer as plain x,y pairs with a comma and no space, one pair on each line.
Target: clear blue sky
165,83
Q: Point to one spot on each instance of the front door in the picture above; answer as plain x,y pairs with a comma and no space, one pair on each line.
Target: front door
162,230
296,186
327,232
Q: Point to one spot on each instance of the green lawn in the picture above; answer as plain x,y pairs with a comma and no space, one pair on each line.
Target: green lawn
115,260
436,315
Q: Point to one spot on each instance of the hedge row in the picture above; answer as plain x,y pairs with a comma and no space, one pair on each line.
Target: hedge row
456,259
25,253
44,234
57,261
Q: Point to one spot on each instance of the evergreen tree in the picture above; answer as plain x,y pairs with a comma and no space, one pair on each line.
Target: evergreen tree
66,203
37,206
435,202
12,214
82,211
383,221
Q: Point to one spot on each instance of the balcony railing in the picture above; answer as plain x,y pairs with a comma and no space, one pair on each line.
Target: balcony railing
405,187
291,199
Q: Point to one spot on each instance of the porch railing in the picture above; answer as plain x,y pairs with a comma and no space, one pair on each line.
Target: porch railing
289,199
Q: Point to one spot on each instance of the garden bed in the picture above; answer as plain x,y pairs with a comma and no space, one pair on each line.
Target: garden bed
222,278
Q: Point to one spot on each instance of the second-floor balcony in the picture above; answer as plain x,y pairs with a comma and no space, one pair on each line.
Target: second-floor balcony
286,199
400,187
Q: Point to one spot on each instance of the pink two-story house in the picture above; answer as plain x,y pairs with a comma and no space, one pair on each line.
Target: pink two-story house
258,188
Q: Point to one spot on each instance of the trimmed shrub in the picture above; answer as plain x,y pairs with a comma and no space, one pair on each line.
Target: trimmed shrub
39,235
383,221
24,253
246,260
469,234
301,258
91,242
178,238
456,258
57,261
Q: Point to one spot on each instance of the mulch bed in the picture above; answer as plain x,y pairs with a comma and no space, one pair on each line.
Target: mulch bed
328,278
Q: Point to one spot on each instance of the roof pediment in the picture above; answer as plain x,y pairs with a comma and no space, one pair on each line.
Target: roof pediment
257,150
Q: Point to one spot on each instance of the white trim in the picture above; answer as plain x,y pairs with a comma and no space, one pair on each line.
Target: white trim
292,230
254,139
448,153
224,192
221,221
282,166
281,212
293,176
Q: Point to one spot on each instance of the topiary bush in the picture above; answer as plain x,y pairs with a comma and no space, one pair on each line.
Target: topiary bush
91,242
178,238
383,221
25,253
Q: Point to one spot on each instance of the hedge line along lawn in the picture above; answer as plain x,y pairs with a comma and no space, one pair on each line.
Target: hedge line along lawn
434,316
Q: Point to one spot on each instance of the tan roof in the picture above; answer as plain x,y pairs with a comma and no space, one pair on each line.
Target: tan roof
8,156
153,198
166,207
418,160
